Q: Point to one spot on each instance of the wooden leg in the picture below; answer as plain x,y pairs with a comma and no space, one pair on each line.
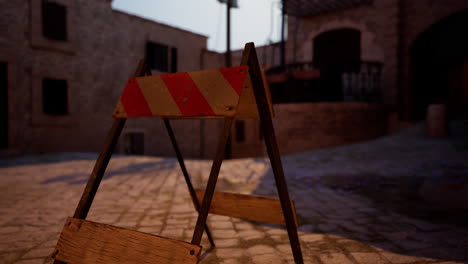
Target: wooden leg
210,187
98,172
103,160
101,164
99,168
250,58
192,192
282,188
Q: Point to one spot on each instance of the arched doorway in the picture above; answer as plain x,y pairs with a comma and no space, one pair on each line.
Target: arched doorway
336,51
439,68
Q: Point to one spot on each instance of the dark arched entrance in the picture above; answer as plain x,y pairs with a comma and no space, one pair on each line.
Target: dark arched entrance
336,51
440,68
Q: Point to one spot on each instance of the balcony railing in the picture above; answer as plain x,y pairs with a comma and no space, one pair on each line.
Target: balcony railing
365,85
301,82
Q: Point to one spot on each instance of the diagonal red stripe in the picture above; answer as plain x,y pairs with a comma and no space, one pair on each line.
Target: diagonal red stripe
134,101
235,76
186,94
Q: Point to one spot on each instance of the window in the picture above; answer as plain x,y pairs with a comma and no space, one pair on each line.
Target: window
337,50
55,97
161,58
134,143
3,105
52,26
240,131
54,21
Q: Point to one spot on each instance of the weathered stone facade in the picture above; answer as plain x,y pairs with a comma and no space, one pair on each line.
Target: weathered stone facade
102,51
388,29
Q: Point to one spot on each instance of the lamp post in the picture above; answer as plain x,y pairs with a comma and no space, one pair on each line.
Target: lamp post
282,45
229,5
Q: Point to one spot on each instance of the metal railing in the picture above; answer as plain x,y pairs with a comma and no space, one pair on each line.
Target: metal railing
362,85
365,85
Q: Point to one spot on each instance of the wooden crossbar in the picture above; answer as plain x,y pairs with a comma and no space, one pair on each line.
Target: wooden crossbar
249,207
209,93
85,242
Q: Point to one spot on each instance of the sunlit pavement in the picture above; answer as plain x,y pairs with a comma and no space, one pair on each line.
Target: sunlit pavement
360,203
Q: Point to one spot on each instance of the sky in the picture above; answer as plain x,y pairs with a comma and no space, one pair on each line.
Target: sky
255,20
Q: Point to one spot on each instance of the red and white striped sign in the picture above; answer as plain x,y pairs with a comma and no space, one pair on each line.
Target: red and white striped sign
211,93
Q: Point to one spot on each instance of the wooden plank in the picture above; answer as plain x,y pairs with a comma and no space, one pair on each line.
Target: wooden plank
249,207
100,166
247,108
84,242
209,93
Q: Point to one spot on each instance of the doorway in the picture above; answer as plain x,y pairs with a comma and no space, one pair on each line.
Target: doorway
439,68
335,52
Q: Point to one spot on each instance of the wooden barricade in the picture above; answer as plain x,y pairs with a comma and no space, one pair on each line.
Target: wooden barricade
229,93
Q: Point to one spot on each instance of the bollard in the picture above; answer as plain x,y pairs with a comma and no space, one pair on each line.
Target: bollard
437,121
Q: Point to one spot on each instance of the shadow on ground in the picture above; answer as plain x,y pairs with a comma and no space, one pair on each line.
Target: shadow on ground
404,193
145,167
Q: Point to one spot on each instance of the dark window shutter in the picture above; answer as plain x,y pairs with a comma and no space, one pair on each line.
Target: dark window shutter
240,131
157,56
54,21
134,143
150,57
54,97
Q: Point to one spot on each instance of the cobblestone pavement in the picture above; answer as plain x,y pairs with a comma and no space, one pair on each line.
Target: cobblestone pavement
356,204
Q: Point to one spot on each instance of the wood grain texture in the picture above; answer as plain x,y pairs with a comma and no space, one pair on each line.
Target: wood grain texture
208,93
247,108
85,242
219,93
249,207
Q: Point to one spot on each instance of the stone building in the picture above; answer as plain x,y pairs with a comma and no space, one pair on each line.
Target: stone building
355,70
419,44
358,69
64,65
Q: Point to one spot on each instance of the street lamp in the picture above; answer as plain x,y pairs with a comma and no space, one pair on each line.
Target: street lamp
229,4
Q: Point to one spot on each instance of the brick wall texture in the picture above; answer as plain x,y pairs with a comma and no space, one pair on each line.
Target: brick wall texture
306,126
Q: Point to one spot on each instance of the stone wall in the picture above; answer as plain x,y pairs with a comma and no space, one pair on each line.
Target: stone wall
103,50
307,126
